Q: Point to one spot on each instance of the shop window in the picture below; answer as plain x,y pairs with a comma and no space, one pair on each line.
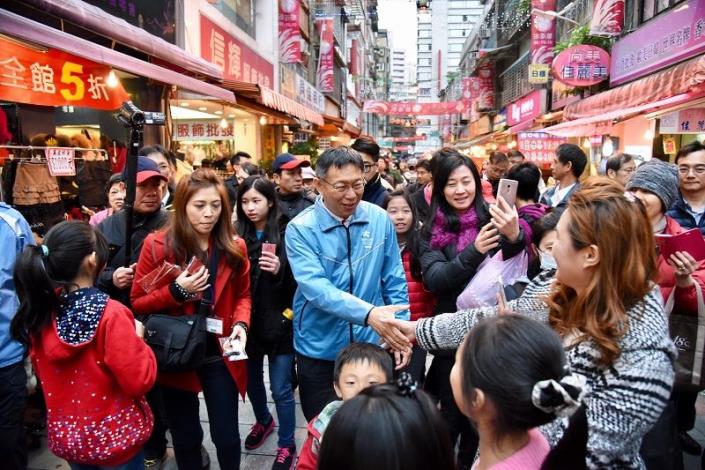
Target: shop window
240,12
650,8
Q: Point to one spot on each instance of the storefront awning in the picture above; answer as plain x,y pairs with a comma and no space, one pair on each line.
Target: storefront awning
602,123
685,78
25,29
280,102
99,21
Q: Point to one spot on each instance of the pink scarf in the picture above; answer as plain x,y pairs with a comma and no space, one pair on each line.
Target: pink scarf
442,237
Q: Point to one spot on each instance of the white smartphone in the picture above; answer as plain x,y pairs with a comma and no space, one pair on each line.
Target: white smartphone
508,190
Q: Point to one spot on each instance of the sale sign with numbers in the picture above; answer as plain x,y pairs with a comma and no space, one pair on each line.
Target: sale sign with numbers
55,78
60,161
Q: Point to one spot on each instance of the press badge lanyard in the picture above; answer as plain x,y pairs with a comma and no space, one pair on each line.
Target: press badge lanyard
214,324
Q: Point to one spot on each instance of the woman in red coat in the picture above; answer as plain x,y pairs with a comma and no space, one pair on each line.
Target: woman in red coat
219,290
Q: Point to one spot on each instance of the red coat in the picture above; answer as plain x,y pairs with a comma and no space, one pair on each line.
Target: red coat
421,301
232,303
685,299
94,391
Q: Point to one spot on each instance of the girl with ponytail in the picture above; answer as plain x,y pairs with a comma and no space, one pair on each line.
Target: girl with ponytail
510,377
93,365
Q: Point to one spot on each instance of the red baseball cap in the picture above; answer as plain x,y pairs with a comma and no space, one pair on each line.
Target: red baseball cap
287,161
146,169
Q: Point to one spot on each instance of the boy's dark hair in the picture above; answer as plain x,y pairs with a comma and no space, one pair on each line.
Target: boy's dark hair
528,176
571,153
367,144
338,158
686,150
425,164
361,352
402,431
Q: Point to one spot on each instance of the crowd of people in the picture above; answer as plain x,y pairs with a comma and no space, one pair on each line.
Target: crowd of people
549,317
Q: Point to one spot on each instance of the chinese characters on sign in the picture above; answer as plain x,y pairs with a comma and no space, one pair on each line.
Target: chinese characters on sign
289,35
582,66
202,130
539,73
539,147
324,74
667,39
543,32
55,78
526,108
405,108
687,121
236,60
60,161
607,17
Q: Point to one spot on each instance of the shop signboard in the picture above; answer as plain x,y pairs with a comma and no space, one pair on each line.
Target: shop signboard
538,147
582,66
607,17
157,17
539,73
562,95
309,96
485,97
686,121
202,130
289,34
665,40
409,108
324,73
55,78
543,32
526,108
237,61
500,120
60,161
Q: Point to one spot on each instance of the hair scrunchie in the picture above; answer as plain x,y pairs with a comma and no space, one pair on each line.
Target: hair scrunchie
406,385
561,398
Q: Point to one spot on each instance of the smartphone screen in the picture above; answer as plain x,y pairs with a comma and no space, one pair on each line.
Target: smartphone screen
508,190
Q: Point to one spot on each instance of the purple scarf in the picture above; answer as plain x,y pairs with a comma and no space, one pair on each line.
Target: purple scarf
442,237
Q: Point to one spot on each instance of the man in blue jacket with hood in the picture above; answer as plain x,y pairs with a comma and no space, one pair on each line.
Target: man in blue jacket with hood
344,255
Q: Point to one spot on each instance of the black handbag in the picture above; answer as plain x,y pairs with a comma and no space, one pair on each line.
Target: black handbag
178,342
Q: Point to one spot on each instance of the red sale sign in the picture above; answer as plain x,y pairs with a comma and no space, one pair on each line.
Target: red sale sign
543,31
538,147
324,75
236,60
407,108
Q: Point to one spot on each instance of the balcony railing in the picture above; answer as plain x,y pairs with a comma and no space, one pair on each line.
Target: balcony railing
579,11
514,82
509,25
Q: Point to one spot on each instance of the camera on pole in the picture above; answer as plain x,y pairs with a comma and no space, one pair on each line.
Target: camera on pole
134,119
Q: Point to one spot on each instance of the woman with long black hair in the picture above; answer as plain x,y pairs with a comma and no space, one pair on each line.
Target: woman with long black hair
272,285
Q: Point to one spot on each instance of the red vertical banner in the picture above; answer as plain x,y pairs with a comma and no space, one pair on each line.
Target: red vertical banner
324,75
289,34
485,88
607,17
543,32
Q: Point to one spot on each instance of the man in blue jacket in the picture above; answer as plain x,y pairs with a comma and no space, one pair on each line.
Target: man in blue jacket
345,258
15,235
689,208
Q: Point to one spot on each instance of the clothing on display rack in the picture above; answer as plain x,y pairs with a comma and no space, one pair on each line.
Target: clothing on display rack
36,195
93,177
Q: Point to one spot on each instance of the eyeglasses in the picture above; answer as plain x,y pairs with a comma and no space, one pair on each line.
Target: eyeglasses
368,167
697,169
343,188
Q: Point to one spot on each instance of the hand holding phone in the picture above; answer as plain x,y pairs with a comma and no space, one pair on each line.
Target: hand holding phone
508,190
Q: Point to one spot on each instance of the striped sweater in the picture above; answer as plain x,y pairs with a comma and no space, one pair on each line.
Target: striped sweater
625,399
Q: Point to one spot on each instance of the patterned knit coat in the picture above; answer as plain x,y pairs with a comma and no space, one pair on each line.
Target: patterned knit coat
624,400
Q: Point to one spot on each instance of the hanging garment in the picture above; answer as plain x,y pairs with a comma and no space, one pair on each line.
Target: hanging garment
93,177
36,195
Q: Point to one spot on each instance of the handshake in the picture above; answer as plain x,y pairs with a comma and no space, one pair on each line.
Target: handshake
397,335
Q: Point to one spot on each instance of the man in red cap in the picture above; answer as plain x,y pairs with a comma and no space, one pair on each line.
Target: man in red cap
290,189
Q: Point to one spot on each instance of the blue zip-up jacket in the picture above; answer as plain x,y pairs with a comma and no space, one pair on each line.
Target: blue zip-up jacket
15,234
680,212
342,273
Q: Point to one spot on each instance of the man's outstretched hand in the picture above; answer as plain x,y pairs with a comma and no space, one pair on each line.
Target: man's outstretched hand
381,320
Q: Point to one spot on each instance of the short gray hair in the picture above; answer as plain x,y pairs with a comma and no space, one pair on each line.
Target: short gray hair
338,158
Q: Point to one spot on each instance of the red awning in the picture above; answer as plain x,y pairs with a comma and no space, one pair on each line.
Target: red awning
37,33
685,78
99,21
602,123
280,102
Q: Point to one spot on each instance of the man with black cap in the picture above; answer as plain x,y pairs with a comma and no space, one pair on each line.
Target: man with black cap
290,189
116,280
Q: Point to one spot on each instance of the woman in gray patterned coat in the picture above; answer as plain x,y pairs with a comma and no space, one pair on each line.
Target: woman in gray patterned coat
603,303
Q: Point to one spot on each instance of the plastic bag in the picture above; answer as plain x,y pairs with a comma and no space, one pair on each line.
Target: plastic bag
482,289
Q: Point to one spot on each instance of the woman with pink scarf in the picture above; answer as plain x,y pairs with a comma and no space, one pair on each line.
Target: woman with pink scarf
460,234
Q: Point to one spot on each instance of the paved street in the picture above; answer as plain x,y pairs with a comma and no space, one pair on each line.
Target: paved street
263,457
